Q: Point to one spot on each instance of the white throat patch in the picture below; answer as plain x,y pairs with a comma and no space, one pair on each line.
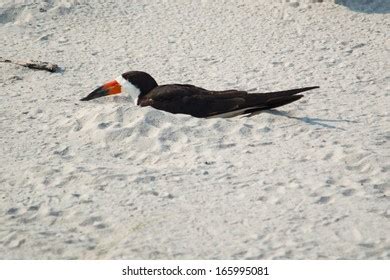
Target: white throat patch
129,88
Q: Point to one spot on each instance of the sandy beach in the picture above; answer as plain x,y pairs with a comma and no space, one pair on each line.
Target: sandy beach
107,180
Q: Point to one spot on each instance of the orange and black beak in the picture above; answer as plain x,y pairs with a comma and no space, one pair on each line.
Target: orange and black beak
109,88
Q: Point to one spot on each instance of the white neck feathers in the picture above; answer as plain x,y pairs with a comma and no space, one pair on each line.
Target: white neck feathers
129,88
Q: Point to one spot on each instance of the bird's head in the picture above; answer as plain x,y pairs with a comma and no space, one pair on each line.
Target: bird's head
132,83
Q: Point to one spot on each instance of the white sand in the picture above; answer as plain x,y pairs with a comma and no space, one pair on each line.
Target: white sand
102,179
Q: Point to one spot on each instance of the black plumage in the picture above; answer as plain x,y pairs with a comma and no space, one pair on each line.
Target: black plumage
199,102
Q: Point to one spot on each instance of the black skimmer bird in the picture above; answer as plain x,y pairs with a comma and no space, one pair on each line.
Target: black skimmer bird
143,90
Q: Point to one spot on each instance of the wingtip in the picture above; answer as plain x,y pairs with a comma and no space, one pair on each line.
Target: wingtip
300,90
309,88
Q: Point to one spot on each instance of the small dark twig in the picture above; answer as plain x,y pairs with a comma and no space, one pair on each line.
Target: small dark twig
33,64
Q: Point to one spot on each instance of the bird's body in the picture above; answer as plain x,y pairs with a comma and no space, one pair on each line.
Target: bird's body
193,100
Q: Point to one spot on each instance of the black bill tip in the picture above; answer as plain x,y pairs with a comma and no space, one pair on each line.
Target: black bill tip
99,92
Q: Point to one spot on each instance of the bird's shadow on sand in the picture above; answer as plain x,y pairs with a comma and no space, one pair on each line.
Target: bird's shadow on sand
312,121
367,6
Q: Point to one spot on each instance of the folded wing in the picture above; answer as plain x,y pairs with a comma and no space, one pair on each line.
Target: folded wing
198,102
